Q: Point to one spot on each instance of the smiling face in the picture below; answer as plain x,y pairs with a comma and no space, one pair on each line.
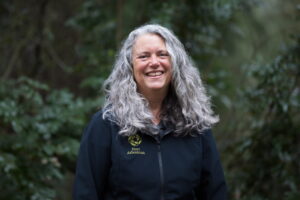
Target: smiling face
151,64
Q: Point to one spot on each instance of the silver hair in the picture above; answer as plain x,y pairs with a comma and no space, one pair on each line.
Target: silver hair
186,108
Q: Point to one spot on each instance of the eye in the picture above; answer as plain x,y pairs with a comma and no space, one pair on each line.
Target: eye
163,54
142,56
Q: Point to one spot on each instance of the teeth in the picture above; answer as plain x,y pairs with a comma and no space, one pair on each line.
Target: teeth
154,73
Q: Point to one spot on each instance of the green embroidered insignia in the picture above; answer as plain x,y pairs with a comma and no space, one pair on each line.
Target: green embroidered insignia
134,140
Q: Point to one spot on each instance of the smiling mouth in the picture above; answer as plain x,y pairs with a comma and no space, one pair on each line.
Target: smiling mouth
154,74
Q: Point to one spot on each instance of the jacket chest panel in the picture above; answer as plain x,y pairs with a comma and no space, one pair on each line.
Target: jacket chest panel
182,160
135,164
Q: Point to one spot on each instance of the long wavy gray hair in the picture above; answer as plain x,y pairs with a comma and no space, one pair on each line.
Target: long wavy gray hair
186,107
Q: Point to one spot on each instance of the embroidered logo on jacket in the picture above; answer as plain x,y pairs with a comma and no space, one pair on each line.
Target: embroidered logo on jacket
134,140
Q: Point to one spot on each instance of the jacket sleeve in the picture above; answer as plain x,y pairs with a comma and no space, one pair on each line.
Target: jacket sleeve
213,185
93,161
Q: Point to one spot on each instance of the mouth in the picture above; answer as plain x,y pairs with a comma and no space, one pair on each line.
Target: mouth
154,74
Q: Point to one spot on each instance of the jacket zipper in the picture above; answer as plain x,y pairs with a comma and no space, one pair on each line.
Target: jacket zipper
161,171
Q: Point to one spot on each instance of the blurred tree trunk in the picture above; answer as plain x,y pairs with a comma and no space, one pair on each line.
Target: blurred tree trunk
119,22
38,49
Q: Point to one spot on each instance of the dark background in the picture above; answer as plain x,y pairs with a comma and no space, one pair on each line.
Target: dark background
55,55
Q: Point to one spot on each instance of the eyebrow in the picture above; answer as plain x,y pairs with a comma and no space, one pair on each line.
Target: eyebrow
146,52
143,52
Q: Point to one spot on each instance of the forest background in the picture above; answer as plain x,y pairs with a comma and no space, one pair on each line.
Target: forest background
55,55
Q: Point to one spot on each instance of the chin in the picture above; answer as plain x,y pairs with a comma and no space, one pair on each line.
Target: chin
155,87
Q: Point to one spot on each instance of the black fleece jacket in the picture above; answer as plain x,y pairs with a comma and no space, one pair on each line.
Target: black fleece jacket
145,167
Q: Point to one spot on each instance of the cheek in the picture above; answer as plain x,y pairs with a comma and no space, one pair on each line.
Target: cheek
169,68
134,70
170,74
138,69
138,75
135,76
168,64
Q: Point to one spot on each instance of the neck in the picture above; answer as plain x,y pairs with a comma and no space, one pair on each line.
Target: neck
155,100
155,108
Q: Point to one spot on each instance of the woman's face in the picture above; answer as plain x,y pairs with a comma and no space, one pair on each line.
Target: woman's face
151,64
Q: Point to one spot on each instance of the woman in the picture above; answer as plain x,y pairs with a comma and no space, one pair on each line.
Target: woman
152,139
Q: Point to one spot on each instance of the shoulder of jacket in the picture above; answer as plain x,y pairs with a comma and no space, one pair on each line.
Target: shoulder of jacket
99,118
98,130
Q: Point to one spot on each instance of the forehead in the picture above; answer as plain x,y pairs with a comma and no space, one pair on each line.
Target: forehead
149,41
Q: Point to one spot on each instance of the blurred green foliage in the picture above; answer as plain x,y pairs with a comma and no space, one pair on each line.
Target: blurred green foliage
55,56
268,156
39,135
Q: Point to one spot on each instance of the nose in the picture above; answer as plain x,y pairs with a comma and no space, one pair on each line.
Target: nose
154,61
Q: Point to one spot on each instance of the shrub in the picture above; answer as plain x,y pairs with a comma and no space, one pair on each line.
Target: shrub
39,137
